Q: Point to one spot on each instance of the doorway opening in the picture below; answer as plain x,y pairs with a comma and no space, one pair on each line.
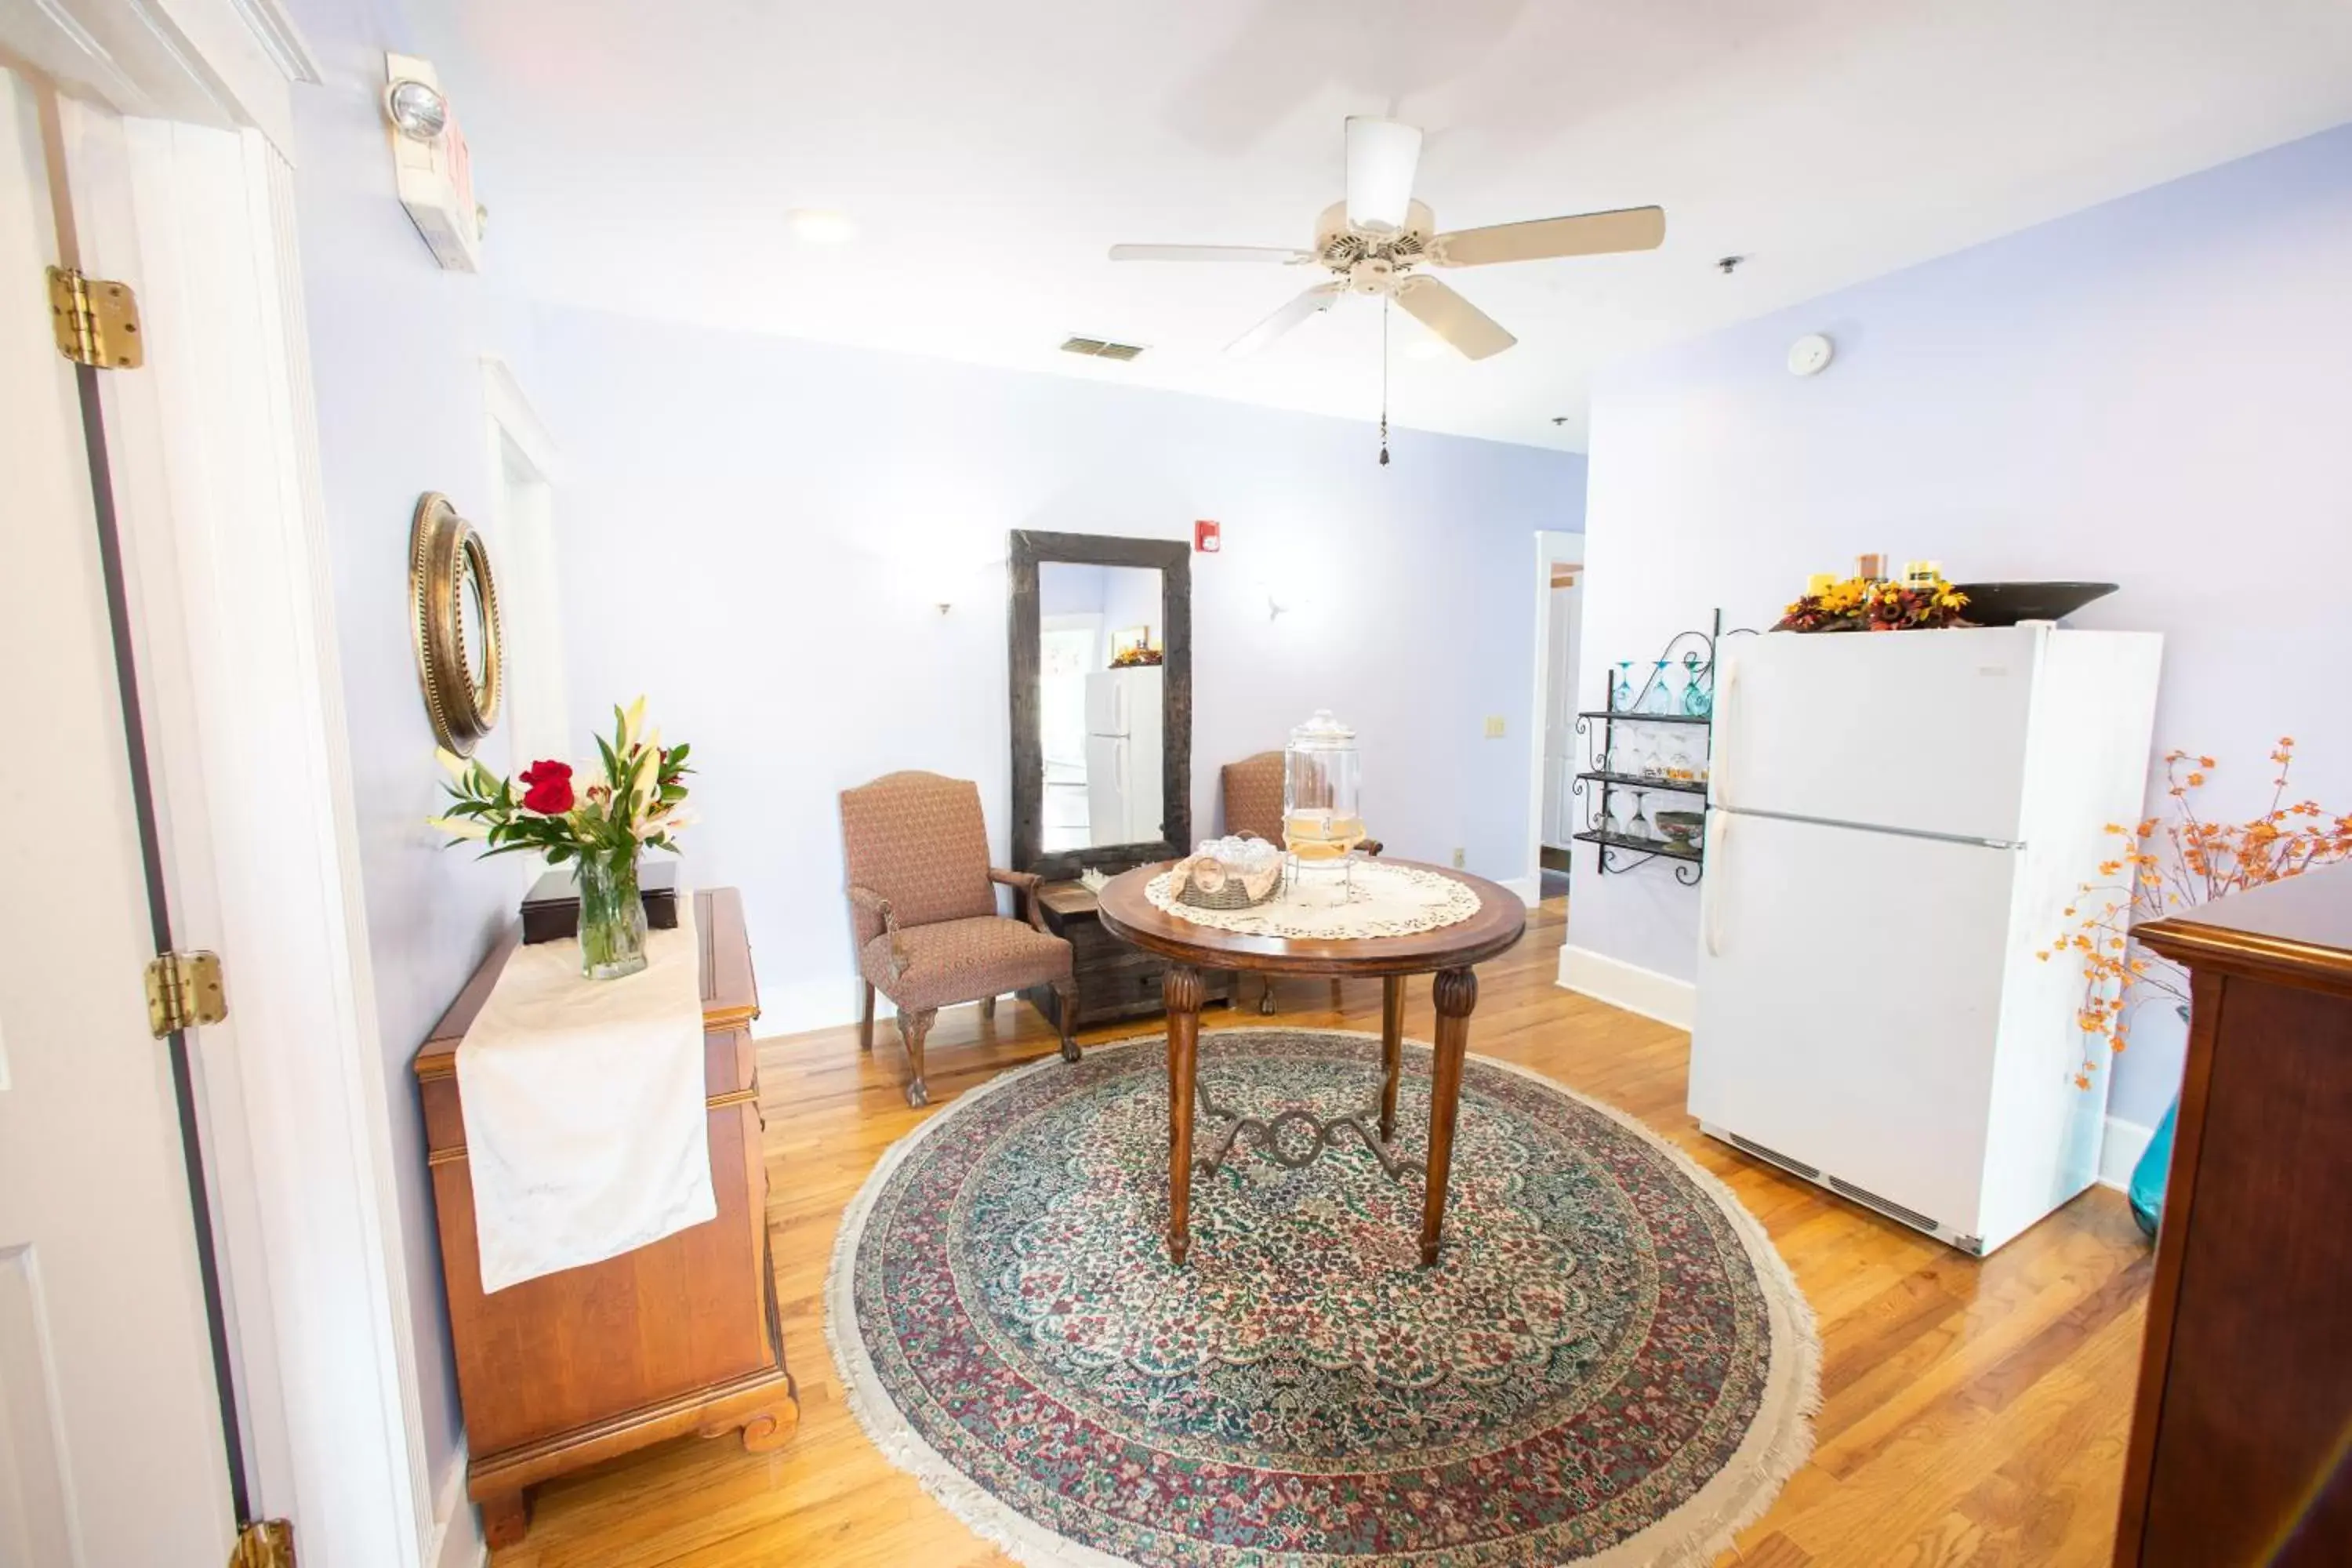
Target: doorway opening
1558,630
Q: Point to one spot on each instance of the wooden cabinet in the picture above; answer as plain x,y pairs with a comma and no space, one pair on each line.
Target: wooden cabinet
682,1336
2239,1437
1115,980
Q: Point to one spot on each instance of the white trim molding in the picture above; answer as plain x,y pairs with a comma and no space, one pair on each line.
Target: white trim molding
214,460
1551,546
1629,985
457,1541
2120,1150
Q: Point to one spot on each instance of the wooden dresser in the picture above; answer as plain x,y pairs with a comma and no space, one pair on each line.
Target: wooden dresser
2239,1439
1115,980
573,1368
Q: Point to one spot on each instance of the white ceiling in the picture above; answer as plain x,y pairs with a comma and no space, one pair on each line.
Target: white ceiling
642,159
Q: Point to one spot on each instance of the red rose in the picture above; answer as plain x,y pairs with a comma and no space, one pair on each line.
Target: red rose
551,788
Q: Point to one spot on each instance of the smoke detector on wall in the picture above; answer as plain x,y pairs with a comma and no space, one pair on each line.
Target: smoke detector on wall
1811,355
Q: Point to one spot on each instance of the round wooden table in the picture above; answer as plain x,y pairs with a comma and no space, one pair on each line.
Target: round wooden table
1449,952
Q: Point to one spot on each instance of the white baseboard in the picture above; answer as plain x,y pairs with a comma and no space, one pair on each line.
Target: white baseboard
2125,1143
457,1525
1629,985
1529,889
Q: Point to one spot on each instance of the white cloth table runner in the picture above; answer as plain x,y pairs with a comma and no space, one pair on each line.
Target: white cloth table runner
586,1130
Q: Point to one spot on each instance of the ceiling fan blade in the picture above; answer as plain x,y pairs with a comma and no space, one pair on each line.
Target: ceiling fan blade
1381,157
1470,329
1589,234
1272,253
1313,302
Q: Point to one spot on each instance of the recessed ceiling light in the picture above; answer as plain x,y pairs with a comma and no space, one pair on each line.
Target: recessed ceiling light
821,225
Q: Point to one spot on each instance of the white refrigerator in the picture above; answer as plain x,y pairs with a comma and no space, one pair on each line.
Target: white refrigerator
1897,823
1124,766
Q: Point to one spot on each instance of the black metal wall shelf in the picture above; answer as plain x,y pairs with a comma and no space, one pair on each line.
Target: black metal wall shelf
1637,781
1648,718
1647,848
1697,651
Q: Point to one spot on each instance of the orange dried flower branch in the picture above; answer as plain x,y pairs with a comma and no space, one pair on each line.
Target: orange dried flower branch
2162,865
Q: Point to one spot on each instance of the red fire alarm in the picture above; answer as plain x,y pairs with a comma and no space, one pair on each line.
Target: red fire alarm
1204,537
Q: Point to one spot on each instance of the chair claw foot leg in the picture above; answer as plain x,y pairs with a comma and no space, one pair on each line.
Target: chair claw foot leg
919,1093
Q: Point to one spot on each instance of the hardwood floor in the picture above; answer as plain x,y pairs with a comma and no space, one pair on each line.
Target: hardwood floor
1974,1412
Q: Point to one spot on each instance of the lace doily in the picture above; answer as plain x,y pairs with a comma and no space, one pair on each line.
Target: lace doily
1384,901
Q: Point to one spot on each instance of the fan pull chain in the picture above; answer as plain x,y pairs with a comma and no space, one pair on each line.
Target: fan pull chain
1385,302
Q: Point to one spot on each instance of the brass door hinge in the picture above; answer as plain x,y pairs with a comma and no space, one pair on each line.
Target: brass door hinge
183,989
97,321
268,1544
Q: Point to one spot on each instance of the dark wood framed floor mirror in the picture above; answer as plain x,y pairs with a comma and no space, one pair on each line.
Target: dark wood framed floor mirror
1100,639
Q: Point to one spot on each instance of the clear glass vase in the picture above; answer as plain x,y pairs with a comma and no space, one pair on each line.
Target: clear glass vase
612,915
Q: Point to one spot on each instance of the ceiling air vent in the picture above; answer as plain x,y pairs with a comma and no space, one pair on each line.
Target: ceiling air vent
1096,348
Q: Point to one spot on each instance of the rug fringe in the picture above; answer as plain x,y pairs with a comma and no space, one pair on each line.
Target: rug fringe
1780,1440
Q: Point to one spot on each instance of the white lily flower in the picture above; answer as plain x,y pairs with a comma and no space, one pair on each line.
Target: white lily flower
459,826
633,721
456,766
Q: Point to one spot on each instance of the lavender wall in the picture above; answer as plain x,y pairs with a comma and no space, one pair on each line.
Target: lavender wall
395,347
2157,392
758,532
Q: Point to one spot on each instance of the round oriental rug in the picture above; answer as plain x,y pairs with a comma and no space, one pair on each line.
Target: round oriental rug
1609,1365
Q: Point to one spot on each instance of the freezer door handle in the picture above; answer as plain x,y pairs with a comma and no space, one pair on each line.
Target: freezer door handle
1713,893
1720,767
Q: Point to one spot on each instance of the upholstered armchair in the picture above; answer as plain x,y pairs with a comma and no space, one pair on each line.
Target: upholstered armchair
1251,789
922,901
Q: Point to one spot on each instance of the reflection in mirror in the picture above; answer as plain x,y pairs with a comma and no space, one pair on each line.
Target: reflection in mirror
1100,704
474,628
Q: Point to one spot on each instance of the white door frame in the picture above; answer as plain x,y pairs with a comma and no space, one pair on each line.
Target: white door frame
1551,545
521,531
214,457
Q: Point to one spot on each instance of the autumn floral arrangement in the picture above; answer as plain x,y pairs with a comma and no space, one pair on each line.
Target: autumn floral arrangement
2175,862
638,802
1867,604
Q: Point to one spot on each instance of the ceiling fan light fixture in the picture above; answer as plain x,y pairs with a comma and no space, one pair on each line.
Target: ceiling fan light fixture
1382,155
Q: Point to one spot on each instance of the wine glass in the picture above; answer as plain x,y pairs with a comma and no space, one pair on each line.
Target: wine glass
1640,826
1696,700
1655,698
1612,813
1621,696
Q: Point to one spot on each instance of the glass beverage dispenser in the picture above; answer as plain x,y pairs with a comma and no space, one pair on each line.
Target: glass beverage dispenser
1322,818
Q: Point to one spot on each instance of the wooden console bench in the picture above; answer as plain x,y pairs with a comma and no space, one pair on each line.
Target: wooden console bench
573,1368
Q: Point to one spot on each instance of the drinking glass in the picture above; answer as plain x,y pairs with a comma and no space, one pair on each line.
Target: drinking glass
1697,700
1621,696
1656,698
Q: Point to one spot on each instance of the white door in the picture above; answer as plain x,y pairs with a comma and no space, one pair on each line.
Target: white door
1918,732
1849,1003
110,1442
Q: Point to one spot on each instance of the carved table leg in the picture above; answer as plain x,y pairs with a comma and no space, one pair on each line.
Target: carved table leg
912,1027
1456,993
1391,1051
865,1021
1067,990
1180,991
988,1007
1265,993
506,1518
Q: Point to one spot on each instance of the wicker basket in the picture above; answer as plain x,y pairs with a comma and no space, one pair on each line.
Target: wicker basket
1234,894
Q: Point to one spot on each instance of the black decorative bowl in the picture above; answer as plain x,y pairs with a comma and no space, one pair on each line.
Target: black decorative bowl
2006,604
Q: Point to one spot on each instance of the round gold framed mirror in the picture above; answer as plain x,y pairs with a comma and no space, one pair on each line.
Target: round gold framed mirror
454,608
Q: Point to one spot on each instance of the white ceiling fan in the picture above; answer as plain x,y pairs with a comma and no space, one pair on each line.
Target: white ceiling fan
1376,241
